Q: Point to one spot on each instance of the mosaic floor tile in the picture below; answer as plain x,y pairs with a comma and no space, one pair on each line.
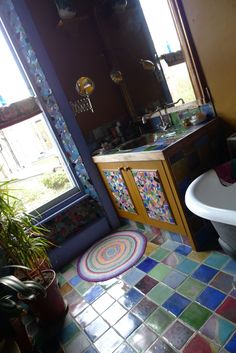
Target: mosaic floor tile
230,267
107,284
170,245
147,265
160,347
86,317
125,348
195,315
231,345
127,325
146,284
96,329
93,293
114,313
233,293
74,281
183,250
159,272
191,288
65,289
144,309
228,309
176,304
133,276
159,240
176,237
198,256
108,342
73,297
90,350
159,320
204,273
68,332
173,259
83,287
160,293
70,273
77,307
174,279
211,298
102,303
118,289
130,298
178,334
218,329
160,254
187,266
150,248
78,345
223,281
200,344
216,259
142,338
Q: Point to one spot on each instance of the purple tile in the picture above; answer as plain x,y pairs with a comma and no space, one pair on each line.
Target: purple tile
173,259
183,250
96,329
93,293
204,273
211,298
144,309
176,304
174,279
146,284
127,325
147,265
178,334
160,347
223,281
131,298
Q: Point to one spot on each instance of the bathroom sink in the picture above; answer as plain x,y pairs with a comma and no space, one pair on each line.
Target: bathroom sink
143,140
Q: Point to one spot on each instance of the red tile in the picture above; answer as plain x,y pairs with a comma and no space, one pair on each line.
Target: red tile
200,345
228,309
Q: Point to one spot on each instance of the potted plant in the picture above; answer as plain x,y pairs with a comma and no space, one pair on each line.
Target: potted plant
25,244
12,331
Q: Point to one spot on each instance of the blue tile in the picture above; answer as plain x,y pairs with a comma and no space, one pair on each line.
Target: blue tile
176,237
75,280
133,276
93,293
176,304
68,332
174,279
231,345
91,350
230,267
216,260
211,298
183,250
170,245
204,273
147,265
187,266
131,298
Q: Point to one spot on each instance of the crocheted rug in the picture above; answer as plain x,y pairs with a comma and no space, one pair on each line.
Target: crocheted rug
111,256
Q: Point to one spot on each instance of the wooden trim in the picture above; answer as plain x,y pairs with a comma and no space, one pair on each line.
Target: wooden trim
193,63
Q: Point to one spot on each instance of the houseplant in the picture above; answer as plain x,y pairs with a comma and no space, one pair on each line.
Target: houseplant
25,244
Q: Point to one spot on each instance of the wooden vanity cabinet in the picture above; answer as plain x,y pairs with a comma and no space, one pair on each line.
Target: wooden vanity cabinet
143,191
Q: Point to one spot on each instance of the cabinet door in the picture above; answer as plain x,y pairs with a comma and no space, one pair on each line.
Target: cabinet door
153,192
114,177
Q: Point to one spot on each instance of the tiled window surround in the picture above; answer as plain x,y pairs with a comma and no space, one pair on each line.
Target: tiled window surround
173,300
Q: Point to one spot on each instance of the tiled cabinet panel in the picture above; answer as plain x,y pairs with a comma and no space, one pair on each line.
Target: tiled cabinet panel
141,191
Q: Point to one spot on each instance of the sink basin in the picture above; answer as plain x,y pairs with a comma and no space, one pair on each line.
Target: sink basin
138,142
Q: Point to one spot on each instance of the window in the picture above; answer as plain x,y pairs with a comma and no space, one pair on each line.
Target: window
167,45
29,151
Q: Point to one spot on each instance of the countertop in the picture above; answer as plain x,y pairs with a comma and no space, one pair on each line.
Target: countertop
164,142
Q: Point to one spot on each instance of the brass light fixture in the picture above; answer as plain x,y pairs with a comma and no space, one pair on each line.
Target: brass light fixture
84,87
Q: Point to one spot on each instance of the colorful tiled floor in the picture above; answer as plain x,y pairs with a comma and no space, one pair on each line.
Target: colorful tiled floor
173,300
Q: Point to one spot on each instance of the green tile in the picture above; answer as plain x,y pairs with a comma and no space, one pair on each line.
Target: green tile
160,271
159,320
195,315
83,287
191,288
160,293
61,279
160,254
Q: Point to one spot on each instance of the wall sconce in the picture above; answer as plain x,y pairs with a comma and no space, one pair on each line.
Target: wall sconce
84,87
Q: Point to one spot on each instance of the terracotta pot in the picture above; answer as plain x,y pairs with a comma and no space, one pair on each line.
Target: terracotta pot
51,308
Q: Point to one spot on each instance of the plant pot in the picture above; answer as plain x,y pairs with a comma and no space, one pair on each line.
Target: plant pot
51,308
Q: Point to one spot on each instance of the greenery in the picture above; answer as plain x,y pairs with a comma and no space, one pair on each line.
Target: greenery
56,180
23,242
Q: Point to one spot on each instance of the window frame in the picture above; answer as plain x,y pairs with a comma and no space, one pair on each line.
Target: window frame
77,193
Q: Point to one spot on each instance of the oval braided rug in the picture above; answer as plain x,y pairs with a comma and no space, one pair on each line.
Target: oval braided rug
111,256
